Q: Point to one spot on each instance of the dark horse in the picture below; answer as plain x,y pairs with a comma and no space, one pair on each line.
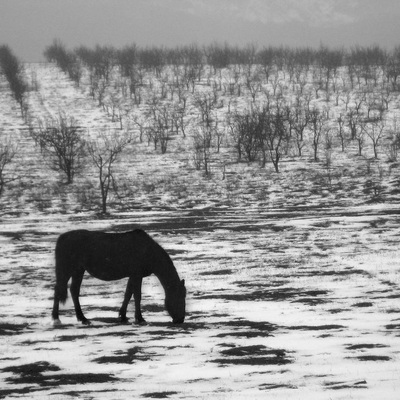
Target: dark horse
112,256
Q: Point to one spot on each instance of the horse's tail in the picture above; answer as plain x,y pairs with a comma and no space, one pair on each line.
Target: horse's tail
61,286
61,291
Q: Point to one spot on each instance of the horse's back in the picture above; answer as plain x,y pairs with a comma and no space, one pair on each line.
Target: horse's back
107,256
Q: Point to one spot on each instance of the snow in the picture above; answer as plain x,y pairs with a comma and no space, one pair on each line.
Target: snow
288,297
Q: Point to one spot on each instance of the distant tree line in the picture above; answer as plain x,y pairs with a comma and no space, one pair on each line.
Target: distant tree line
101,59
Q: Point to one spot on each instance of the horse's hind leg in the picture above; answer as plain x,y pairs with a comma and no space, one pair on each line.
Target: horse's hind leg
75,290
60,294
54,314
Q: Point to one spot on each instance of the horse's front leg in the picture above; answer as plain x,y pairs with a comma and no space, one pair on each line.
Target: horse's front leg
134,286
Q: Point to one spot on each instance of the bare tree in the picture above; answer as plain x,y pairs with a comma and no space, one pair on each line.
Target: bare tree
299,121
180,120
341,131
7,153
60,140
318,125
375,131
393,144
353,120
135,84
161,126
272,130
206,104
104,153
360,134
253,82
275,82
117,109
141,123
244,129
202,149
232,80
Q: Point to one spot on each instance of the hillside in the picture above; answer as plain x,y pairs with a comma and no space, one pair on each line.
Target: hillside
292,276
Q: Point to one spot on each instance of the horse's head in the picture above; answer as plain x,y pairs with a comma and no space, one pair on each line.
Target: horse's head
175,302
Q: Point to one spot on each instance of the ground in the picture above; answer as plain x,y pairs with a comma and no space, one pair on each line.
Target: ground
293,284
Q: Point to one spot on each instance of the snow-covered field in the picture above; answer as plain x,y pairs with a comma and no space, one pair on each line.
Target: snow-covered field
293,287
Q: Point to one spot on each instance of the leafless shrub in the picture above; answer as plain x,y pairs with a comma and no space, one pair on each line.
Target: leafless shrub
202,149
105,152
60,140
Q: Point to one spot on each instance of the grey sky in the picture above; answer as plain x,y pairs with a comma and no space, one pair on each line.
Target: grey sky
28,26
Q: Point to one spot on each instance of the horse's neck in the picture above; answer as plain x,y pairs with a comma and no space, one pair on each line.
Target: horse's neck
167,274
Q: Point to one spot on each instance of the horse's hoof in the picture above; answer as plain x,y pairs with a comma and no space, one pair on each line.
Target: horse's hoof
141,322
56,322
123,320
86,322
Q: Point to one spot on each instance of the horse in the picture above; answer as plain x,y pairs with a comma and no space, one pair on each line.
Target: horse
112,256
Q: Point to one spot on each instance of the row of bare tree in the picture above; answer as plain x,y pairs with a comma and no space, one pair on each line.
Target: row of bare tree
13,71
361,62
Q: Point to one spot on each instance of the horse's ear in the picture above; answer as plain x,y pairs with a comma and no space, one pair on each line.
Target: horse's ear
183,282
